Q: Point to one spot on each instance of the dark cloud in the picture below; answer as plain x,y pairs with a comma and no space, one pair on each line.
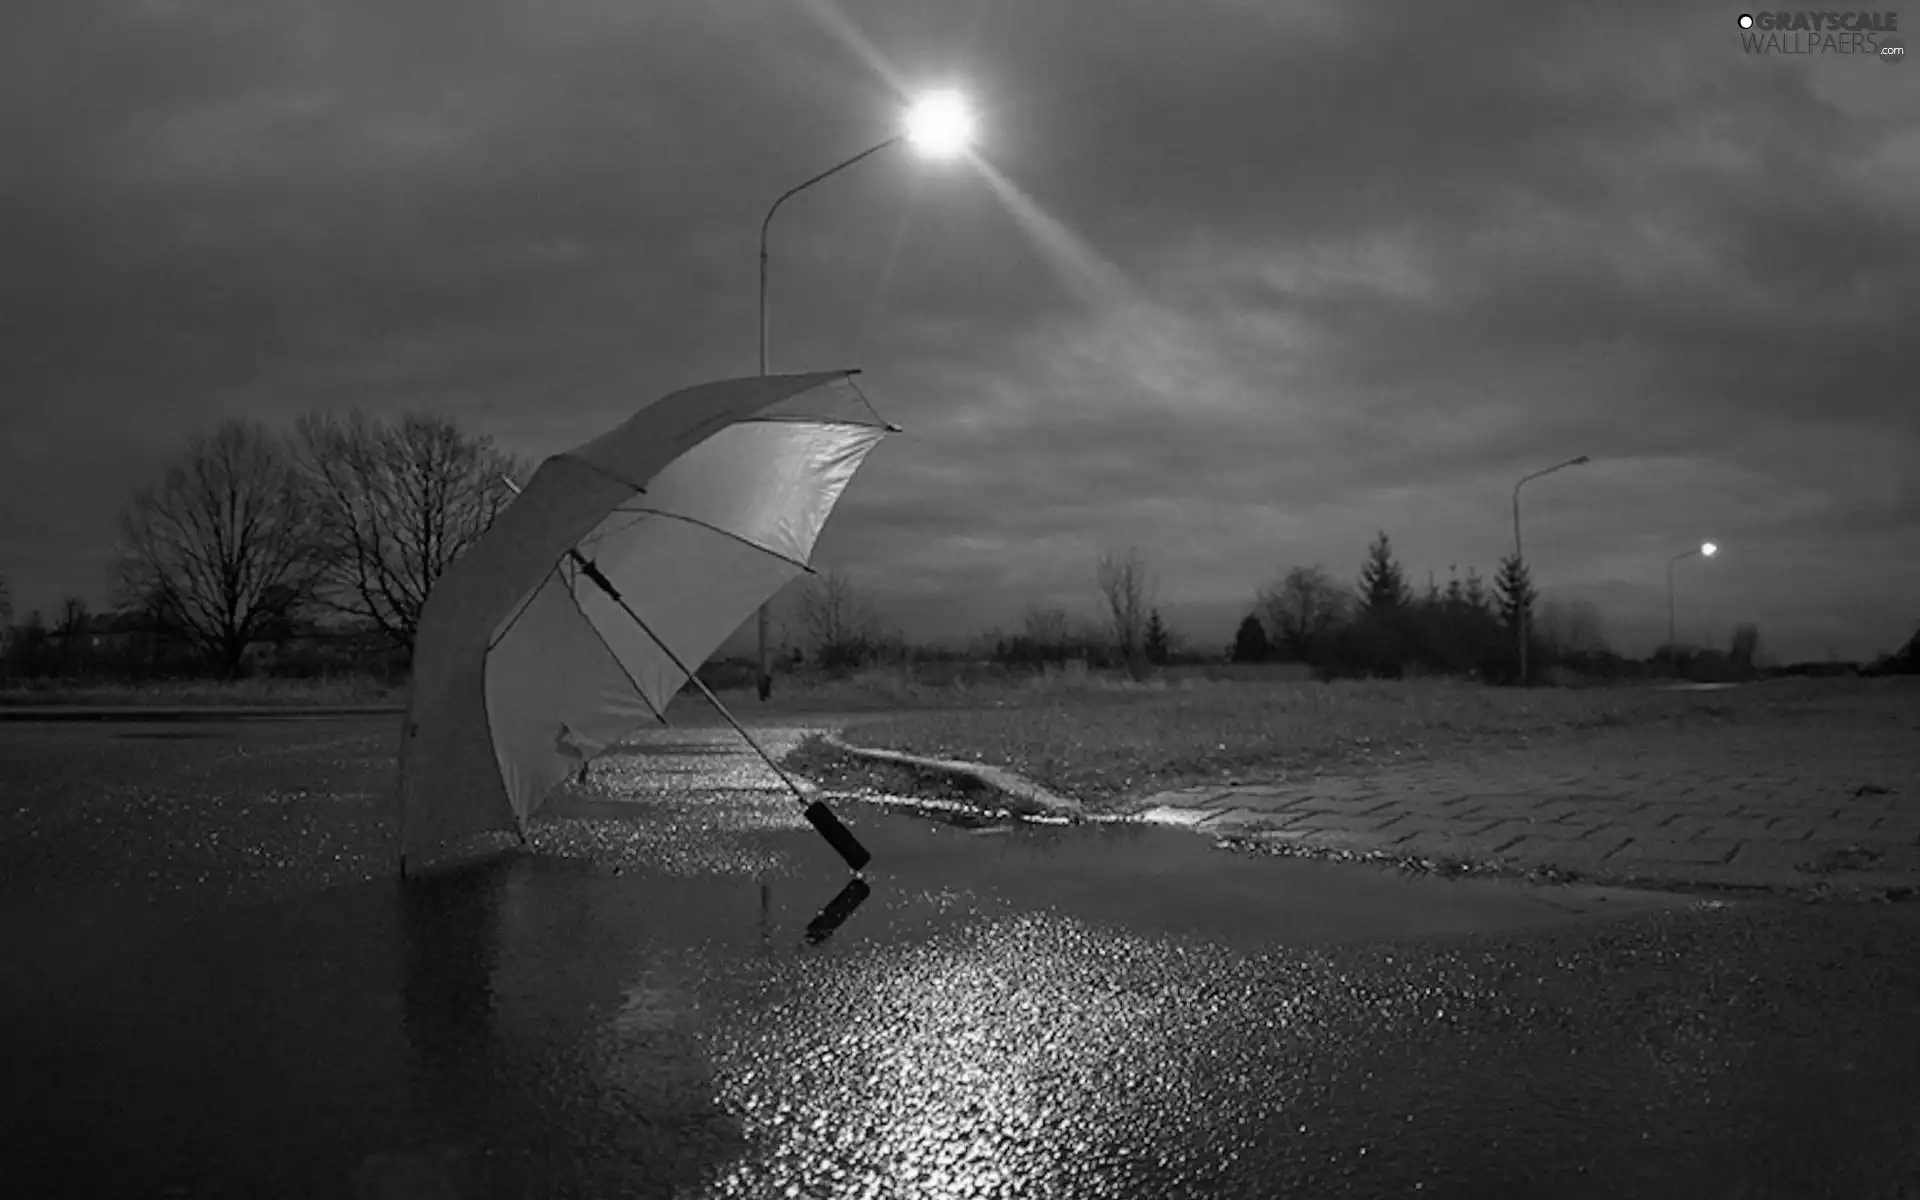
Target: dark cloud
1237,282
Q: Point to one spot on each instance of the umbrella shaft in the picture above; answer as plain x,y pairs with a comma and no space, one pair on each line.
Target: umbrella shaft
592,571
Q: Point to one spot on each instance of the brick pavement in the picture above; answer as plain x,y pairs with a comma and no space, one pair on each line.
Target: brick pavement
1729,806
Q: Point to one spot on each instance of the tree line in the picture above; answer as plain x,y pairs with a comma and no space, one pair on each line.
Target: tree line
331,533
1382,627
312,549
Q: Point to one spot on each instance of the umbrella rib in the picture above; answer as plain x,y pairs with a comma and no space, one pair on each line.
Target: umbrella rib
573,594
601,471
570,588
889,425
726,534
801,419
519,611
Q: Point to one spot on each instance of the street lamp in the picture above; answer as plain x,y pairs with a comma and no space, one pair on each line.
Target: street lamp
1522,622
1705,550
937,125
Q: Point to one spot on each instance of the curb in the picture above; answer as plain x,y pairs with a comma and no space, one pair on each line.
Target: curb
1035,799
1873,886
83,712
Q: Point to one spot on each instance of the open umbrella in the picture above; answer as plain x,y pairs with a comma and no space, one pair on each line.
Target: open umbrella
621,567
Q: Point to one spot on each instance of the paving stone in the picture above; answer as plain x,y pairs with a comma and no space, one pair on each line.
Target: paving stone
1253,804
1439,846
1244,818
1601,802
1503,809
1730,828
1663,851
1585,853
1685,827
1736,803
1281,790
1507,832
1322,822
1187,799
1851,831
1421,825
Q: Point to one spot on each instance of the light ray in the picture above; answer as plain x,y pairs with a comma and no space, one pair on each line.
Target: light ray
841,26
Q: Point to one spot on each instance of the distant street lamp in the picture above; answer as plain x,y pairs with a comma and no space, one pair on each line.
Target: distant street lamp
938,125
1705,550
1522,622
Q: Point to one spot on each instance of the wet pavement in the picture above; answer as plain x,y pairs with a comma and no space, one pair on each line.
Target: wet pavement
218,989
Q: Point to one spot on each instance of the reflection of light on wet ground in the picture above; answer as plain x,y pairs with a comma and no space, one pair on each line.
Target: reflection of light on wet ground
685,802
1031,1056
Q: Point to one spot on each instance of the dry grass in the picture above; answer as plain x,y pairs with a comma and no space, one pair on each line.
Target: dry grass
1103,745
944,687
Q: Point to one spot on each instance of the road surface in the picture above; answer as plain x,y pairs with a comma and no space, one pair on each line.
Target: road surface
220,990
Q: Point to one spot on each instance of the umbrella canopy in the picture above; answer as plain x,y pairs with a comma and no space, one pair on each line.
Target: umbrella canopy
697,510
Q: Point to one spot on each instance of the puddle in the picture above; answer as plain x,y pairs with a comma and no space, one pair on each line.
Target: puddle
554,999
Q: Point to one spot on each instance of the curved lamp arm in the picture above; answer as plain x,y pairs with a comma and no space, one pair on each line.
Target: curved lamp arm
767,221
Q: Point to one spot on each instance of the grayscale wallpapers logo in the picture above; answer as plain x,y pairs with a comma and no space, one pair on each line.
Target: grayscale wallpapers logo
1874,34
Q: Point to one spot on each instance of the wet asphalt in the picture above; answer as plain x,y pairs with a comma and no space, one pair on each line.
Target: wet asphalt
216,987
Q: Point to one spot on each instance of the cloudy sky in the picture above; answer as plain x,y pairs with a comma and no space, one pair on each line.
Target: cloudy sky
1239,282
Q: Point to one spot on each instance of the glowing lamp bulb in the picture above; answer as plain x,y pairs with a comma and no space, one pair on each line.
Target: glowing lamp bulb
939,124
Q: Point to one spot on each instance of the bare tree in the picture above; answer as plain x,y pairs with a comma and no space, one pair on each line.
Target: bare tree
1304,608
225,545
73,617
69,630
1048,628
399,501
1049,635
838,621
1127,596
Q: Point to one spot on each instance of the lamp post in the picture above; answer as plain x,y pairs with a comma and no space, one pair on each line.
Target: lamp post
938,126
1517,557
1705,550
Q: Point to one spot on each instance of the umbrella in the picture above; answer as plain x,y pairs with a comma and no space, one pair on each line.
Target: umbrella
595,596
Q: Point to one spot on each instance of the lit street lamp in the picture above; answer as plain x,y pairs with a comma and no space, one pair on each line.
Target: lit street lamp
1522,623
938,125
1705,550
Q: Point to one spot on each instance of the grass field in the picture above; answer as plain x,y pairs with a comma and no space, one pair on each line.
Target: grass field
1103,746
1101,739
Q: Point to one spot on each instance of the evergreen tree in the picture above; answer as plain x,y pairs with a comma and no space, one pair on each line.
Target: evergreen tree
1475,592
1158,645
1386,635
1250,643
1515,588
1382,584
